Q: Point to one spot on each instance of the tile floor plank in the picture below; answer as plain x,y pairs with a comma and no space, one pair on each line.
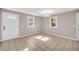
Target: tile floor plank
18,45
60,46
12,45
68,46
4,46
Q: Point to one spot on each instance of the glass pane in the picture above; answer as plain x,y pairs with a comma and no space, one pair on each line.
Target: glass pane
53,21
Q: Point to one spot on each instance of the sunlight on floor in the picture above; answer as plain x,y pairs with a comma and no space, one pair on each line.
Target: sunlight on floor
26,49
45,39
42,38
38,37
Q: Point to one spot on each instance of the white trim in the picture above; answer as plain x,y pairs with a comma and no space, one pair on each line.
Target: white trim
46,33
21,36
36,14
62,36
77,25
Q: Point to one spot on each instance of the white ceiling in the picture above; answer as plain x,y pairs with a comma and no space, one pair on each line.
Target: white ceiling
39,11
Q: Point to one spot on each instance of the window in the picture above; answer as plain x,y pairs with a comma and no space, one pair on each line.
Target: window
11,17
30,22
53,22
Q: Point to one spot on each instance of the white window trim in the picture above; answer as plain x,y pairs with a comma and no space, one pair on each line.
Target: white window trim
33,26
50,22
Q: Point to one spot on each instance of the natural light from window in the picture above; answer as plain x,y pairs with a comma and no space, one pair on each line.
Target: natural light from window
38,37
26,49
42,38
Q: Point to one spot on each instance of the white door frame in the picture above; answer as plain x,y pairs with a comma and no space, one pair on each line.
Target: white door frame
77,28
17,16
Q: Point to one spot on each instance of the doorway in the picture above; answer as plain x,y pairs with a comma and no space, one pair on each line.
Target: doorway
10,26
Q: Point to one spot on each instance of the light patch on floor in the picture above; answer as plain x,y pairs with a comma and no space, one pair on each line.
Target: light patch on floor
38,37
45,39
42,38
26,49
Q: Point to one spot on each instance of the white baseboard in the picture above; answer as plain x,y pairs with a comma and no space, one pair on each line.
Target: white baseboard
62,36
21,36
28,34
43,32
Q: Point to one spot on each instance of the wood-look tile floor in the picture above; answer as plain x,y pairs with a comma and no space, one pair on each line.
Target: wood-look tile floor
40,42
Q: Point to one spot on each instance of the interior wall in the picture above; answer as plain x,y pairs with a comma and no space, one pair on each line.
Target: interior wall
65,25
23,25
0,24
23,30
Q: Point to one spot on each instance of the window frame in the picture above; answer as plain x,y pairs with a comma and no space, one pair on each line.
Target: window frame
51,22
28,22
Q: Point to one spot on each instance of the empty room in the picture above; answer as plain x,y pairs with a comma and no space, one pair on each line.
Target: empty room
39,29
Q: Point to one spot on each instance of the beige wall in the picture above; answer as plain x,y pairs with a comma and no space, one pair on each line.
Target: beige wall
23,25
65,26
